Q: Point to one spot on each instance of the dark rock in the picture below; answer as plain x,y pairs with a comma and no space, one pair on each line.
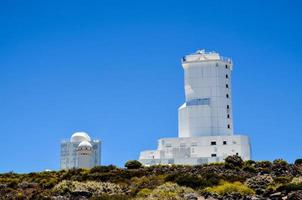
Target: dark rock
3,185
191,196
81,193
296,195
276,196
259,183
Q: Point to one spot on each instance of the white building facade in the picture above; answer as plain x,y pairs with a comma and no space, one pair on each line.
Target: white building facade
80,152
205,121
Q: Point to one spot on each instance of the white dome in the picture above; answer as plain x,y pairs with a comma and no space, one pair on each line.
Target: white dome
79,137
85,144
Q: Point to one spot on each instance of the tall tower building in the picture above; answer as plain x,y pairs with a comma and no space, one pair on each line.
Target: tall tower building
80,152
205,121
208,107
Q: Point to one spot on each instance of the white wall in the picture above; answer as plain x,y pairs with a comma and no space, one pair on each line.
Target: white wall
205,78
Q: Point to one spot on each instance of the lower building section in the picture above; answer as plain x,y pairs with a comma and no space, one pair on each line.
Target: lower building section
197,150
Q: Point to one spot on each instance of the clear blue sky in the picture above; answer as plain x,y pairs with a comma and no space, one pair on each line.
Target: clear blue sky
112,68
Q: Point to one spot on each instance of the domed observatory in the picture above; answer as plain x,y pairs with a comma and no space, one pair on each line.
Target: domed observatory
205,120
80,151
84,155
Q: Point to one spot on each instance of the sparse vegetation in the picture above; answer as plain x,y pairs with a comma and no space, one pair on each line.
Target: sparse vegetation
171,182
228,188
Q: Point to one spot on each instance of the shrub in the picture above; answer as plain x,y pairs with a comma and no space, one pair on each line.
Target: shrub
228,188
263,164
259,183
188,180
149,182
144,192
249,163
96,188
102,169
282,179
233,161
133,164
249,168
280,167
297,180
170,191
290,187
294,185
298,161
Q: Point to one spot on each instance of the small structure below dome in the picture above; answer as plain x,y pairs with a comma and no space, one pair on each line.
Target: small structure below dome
80,152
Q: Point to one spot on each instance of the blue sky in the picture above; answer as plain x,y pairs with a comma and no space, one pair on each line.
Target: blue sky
112,68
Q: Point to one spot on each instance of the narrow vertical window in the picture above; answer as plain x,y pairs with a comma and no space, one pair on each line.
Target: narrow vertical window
227,85
226,66
227,95
228,106
229,126
228,116
226,76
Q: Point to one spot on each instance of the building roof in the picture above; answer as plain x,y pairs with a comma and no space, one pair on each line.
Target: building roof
85,144
79,137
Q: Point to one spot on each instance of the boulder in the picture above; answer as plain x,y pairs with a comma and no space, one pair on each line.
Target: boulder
296,195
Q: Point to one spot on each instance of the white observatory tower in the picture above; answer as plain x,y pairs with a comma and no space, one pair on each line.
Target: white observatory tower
208,107
205,121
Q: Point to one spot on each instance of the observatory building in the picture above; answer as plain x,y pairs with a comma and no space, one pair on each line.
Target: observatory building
80,152
205,120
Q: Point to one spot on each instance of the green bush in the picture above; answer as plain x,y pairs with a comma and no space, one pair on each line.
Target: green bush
144,192
233,161
298,161
263,164
102,169
188,180
297,180
228,188
249,163
282,179
294,185
290,187
249,168
280,167
133,164
147,182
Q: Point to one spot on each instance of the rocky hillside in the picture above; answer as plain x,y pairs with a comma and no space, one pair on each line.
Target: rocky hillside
233,179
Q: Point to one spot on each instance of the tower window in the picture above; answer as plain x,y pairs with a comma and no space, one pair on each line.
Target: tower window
227,95
213,143
227,86
228,106
226,76
226,66
216,64
213,155
229,126
224,142
228,116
